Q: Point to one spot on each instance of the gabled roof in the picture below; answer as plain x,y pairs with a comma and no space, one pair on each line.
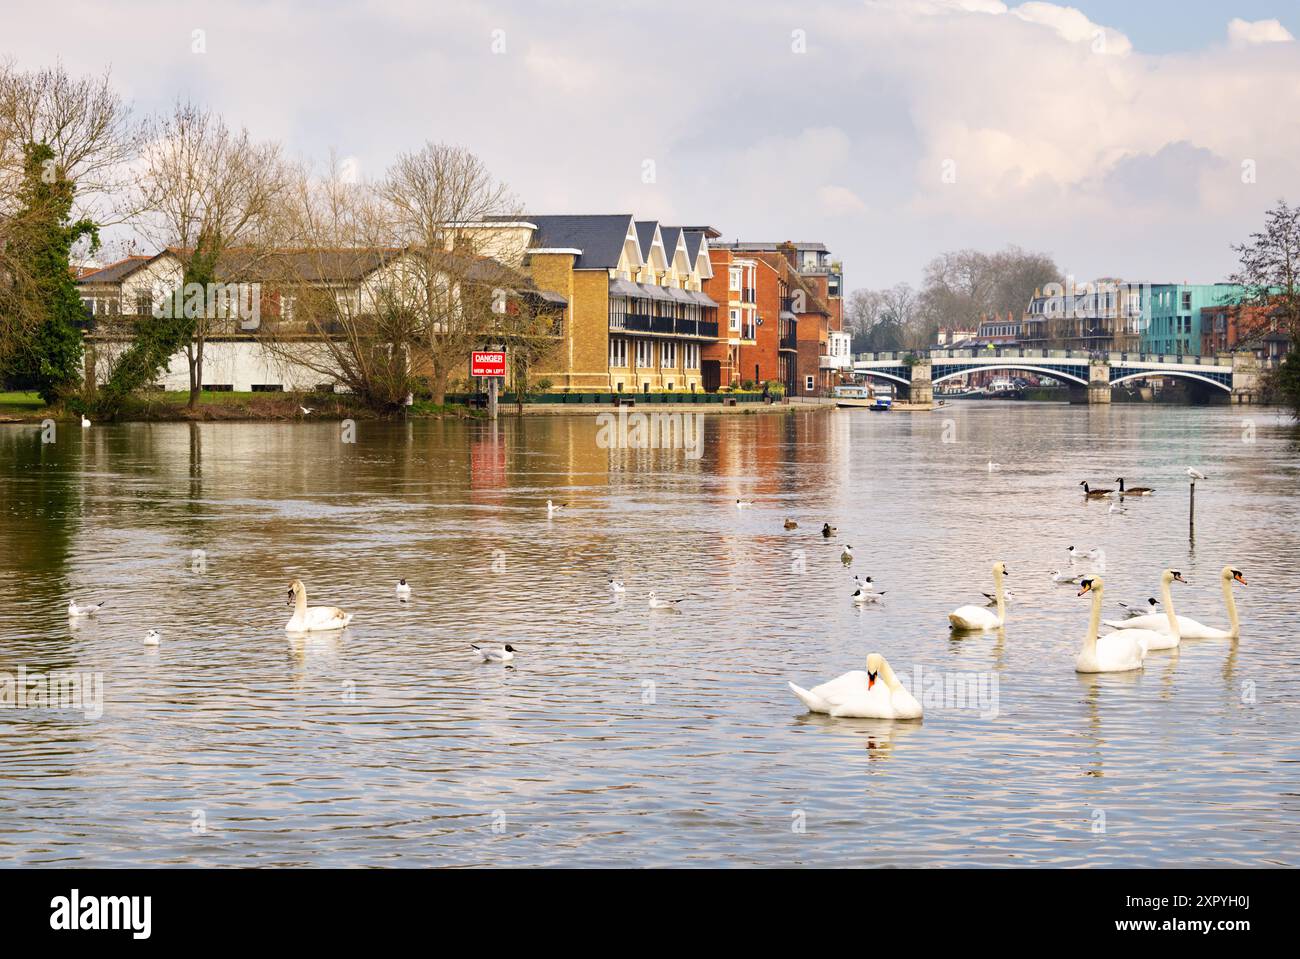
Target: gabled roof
645,234
671,234
694,238
115,272
600,237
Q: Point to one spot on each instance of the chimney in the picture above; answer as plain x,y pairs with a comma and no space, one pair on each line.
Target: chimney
787,249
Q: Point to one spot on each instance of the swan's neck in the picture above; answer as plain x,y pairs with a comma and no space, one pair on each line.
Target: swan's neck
997,592
1094,622
1231,601
887,674
1167,594
300,604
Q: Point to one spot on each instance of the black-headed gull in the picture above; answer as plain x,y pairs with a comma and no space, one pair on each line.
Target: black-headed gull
657,603
152,638
861,596
494,654
1195,473
75,610
403,589
616,586
551,508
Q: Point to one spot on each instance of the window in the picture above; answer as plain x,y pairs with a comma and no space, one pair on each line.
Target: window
734,315
617,351
808,383
691,356
645,353
1187,300
668,355
733,276
144,305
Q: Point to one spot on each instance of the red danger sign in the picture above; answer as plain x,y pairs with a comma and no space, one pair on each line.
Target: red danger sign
486,363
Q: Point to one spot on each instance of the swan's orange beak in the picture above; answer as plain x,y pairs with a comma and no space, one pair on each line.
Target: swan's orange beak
1239,578
1086,586
871,680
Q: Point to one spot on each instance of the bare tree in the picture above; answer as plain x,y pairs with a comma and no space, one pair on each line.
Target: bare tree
207,190
435,195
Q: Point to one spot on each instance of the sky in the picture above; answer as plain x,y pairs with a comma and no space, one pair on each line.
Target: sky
1126,139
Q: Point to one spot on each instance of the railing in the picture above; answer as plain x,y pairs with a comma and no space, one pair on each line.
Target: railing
645,323
1045,354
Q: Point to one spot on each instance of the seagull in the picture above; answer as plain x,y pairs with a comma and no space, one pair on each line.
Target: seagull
994,467
791,524
743,503
846,557
74,610
152,638
494,654
1063,578
828,530
657,603
616,586
863,596
551,508
866,584
1195,473
1007,595
403,589
1132,612
1096,553
85,423
305,411
1116,508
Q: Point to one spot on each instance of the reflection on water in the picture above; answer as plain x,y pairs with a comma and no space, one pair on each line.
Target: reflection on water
626,735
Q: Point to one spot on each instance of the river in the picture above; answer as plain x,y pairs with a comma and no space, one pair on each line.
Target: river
625,736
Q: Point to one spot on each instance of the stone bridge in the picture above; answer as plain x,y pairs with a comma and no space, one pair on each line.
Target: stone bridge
1237,374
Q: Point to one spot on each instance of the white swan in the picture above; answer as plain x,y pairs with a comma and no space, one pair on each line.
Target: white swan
85,423
1118,652
403,589
978,617
152,638
1166,638
874,694
494,654
1190,628
307,619
74,610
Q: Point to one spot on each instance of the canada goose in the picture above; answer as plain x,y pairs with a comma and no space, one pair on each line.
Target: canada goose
791,524
1133,490
828,530
1094,493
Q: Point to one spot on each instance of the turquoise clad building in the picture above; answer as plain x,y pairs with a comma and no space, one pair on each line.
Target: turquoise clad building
1172,320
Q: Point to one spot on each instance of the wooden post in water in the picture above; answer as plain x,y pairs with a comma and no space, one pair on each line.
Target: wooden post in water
492,397
1191,511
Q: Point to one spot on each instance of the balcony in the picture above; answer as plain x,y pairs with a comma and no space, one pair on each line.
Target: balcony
834,362
668,325
789,341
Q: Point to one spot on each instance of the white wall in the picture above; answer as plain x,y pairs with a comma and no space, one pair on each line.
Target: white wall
242,364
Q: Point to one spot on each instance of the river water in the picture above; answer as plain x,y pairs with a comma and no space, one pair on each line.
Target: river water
624,735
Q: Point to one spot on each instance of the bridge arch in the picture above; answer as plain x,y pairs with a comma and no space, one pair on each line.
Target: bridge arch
1042,370
1142,374
889,376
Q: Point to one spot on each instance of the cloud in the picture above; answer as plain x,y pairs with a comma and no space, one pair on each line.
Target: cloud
1244,33
1062,135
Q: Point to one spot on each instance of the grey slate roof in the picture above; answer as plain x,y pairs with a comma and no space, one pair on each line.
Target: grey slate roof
670,234
645,235
115,271
693,240
599,237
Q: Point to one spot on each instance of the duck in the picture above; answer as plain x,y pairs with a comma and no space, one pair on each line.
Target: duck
616,586
1090,493
152,638
494,654
85,423
309,619
1133,490
1185,627
846,556
75,611
828,530
873,694
551,508
403,589
790,524
657,603
979,617
862,596
1195,473
1119,652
